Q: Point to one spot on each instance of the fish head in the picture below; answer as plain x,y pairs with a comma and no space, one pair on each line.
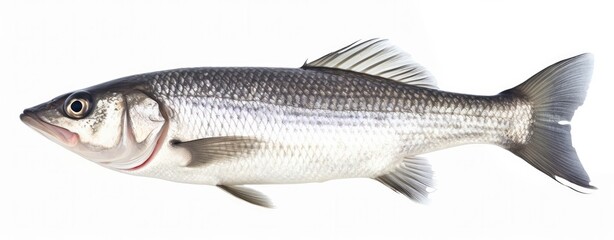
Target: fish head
116,129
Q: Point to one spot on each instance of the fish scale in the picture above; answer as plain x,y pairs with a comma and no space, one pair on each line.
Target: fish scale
421,120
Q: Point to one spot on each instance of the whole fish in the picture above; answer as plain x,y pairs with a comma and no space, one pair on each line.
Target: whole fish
365,111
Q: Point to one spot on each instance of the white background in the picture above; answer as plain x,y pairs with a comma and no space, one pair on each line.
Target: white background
481,47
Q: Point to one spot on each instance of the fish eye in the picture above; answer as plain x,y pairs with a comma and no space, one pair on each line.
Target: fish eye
77,105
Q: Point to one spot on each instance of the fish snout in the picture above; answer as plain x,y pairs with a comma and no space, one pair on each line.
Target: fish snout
55,133
28,116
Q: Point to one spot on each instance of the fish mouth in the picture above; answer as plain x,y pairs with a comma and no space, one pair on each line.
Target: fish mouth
55,133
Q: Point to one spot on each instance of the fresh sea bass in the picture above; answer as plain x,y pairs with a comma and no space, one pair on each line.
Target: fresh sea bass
367,110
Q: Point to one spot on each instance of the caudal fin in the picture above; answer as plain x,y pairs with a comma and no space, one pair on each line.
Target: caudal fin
555,93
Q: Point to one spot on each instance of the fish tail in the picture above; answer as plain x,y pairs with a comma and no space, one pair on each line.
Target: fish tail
554,95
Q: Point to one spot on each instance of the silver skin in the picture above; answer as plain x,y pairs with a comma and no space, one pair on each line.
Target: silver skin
235,126
319,125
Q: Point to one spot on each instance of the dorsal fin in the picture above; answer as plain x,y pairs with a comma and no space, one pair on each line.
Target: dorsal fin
377,57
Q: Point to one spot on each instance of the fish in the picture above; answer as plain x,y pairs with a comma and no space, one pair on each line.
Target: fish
367,110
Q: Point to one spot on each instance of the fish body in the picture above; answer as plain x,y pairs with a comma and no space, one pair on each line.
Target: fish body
318,125
365,111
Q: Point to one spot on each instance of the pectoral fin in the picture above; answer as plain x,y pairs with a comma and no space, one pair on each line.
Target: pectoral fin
206,150
249,195
412,178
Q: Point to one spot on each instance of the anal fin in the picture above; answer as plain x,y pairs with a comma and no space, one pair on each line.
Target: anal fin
412,178
249,195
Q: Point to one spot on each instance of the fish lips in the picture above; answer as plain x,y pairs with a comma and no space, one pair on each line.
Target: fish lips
54,133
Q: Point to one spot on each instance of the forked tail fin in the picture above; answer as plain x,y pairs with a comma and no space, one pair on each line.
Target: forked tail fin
555,93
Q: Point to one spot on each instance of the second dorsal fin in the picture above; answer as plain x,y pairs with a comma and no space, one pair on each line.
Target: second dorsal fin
377,57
